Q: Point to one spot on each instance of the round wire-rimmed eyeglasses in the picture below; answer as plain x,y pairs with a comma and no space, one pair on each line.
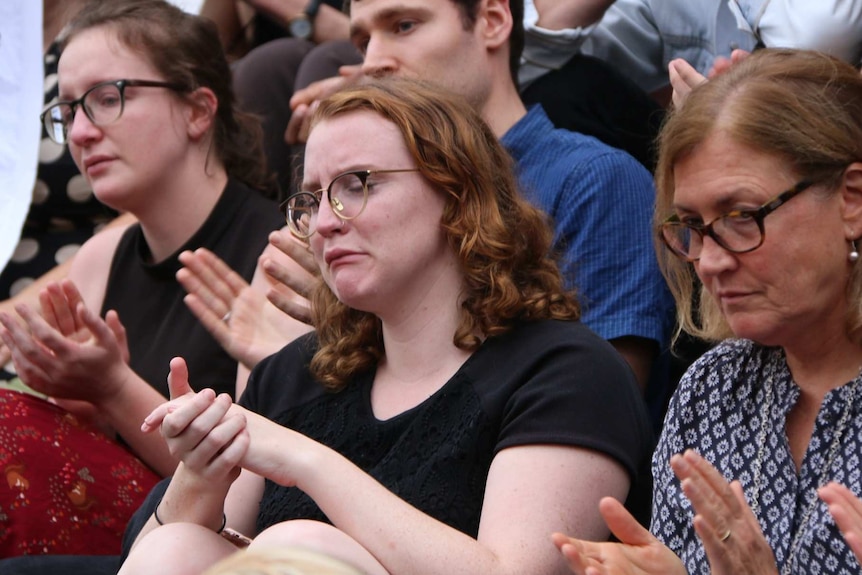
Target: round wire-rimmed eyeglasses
739,231
347,194
103,104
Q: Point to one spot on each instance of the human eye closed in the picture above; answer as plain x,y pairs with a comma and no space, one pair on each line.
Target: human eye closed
740,216
690,221
353,185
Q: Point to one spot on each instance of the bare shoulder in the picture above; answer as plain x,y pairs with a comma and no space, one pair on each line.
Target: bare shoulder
92,263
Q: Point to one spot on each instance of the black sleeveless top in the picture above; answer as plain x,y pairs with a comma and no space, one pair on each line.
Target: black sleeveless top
149,299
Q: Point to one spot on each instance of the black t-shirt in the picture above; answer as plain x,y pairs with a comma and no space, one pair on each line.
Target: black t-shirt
544,382
149,299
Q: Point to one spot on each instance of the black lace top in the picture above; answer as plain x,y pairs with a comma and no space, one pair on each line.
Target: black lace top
544,382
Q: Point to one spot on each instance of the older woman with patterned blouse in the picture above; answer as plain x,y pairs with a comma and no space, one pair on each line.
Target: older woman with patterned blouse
760,197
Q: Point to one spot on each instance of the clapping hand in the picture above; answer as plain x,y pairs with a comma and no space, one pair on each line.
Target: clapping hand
304,101
726,525
291,285
71,353
638,553
846,509
684,78
238,316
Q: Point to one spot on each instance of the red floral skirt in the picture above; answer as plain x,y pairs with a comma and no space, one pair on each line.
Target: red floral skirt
65,487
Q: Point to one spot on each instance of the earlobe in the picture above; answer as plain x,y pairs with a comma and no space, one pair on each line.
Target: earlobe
851,200
497,19
202,108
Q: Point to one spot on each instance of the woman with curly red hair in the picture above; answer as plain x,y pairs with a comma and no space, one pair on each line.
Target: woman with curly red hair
449,411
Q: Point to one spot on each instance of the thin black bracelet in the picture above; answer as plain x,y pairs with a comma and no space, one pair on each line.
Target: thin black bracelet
160,522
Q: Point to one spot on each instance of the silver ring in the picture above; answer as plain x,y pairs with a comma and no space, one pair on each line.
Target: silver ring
725,536
226,317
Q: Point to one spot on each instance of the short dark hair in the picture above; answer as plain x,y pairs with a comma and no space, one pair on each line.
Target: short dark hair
469,10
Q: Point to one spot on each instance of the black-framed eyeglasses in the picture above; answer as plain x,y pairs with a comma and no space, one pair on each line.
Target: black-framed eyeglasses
347,194
102,103
739,231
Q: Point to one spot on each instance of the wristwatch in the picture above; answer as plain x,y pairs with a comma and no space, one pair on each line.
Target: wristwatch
302,26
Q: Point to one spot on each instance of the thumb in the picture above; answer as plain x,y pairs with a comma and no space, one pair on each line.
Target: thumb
178,378
112,318
623,524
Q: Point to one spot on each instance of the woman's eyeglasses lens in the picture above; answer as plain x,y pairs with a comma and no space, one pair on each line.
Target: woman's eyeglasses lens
103,105
347,195
738,233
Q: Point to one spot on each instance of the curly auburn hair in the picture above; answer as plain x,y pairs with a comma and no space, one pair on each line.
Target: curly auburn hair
800,106
502,242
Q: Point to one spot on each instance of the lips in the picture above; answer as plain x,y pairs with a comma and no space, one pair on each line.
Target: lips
732,296
95,162
336,254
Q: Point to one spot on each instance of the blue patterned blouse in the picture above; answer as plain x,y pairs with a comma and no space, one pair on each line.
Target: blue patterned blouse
731,407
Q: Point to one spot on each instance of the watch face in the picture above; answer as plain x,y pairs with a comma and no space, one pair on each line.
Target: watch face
300,28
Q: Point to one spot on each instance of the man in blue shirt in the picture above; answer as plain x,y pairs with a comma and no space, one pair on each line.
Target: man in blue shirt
600,198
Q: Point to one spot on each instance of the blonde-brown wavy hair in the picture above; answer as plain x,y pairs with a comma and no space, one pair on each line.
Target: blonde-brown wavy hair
502,242
801,106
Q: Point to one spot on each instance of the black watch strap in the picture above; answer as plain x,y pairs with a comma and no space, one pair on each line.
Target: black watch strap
312,8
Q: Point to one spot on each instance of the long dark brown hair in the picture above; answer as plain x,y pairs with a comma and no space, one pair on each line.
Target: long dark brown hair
185,49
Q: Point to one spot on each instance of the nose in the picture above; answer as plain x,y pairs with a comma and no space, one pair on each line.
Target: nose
714,259
327,221
82,130
378,59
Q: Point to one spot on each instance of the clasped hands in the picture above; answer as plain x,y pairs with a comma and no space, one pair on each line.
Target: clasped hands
200,429
212,437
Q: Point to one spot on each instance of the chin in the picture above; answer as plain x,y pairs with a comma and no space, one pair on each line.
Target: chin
111,193
760,332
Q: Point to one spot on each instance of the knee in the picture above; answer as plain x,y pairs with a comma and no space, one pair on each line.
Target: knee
319,538
171,544
300,533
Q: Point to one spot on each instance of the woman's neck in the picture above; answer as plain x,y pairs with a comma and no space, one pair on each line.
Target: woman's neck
824,364
420,352
818,367
174,215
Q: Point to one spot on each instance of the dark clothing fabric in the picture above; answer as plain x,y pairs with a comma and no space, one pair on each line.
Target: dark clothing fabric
732,407
150,300
589,96
544,382
266,29
61,564
264,81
